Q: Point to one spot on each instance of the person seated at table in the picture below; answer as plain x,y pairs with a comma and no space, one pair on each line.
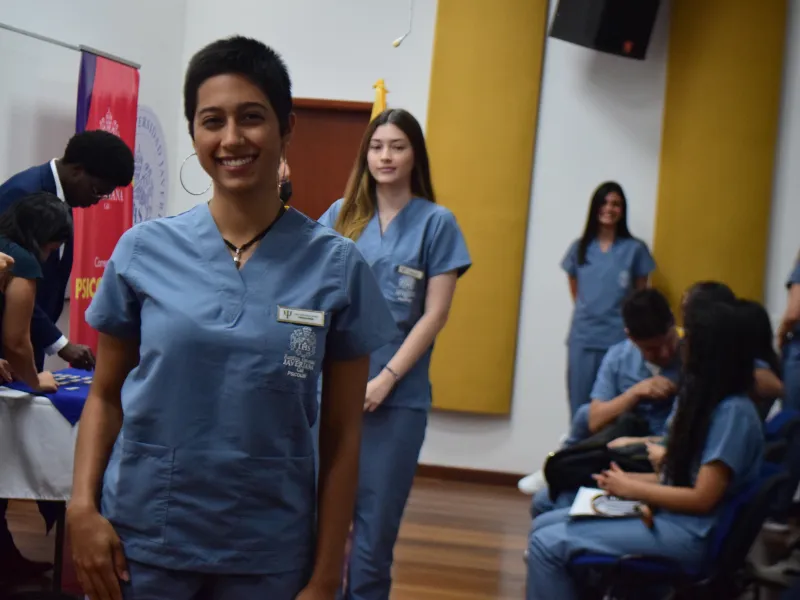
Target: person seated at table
94,164
30,229
715,450
638,375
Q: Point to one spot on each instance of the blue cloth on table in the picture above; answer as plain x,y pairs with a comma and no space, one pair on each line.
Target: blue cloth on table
69,402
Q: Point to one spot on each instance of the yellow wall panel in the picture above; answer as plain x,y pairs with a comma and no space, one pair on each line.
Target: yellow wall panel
482,112
724,78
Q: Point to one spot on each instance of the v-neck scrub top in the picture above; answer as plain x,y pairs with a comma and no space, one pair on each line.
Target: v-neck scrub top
422,241
213,470
604,281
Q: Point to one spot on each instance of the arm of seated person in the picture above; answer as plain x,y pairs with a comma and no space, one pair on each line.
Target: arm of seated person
604,412
621,442
645,477
607,402
709,489
20,298
732,444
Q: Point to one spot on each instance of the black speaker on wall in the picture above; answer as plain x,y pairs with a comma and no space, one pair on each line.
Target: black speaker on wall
621,27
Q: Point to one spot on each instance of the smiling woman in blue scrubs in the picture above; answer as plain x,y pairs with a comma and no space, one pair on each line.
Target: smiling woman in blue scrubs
603,266
214,328
417,252
714,451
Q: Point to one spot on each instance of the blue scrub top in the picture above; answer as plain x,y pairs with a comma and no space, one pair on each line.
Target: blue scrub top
421,242
604,280
735,438
213,470
622,368
794,279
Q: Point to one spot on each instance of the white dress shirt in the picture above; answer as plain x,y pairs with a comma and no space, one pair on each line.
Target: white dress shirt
59,344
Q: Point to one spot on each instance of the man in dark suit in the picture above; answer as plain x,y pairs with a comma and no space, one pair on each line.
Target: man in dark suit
94,164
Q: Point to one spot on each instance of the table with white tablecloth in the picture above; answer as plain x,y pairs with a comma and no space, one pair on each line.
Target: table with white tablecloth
37,446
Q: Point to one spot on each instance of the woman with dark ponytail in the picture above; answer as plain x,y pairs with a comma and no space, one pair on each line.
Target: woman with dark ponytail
714,450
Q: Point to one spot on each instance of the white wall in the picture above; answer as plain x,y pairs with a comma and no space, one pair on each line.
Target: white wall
784,241
40,80
600,118
334,50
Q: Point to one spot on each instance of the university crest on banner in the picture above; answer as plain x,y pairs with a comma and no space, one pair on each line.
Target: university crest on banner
151,168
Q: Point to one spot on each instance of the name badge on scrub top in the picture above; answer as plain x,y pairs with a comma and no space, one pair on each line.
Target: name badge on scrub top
406,291
416,274
301,316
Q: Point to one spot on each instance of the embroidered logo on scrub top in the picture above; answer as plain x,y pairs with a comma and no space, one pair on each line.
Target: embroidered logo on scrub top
302,346
624,279
407,283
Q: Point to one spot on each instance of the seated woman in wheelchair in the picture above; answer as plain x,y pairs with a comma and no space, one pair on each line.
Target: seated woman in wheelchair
714,450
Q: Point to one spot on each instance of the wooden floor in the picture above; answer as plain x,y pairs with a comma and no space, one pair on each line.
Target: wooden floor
458,541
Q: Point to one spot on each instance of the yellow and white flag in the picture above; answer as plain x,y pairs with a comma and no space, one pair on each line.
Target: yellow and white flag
380,98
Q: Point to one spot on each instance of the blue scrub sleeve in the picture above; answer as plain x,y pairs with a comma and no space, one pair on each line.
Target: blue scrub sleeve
761,364
643,263
794,276
365,323
730,438
570,262
448,249
328,219
115,309
605,384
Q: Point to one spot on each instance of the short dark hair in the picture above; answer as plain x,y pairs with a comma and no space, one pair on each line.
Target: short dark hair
647,314
101,154
242,56
36,220
709,291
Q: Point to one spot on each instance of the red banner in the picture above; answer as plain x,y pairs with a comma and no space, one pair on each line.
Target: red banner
108,95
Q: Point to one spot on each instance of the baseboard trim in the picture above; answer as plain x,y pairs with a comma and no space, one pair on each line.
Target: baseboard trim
469,475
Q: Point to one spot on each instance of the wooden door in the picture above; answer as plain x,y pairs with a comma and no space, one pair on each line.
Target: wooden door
324,147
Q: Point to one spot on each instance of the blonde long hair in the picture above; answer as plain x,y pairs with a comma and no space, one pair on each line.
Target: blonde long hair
359,203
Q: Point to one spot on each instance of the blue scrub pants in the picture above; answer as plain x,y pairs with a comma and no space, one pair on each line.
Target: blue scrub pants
542,503
391,440
154,583
791,374
579,428
555,538
582,367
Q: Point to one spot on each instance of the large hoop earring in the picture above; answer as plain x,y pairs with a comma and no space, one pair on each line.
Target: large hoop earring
183,185
282,173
